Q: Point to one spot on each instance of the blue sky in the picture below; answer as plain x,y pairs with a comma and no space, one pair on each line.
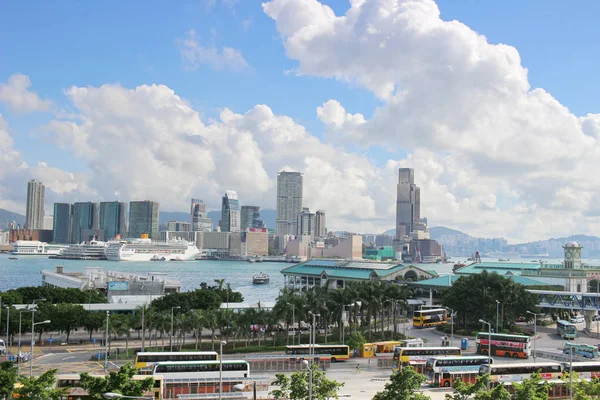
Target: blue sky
89,44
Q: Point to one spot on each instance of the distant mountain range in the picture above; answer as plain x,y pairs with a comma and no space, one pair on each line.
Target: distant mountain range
7,216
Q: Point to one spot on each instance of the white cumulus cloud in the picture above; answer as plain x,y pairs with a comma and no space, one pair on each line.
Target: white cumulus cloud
16,94
195,54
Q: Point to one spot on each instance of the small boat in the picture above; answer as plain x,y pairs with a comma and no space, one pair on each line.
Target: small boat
12,258
260,279
176,259
157,258
251,260
259,259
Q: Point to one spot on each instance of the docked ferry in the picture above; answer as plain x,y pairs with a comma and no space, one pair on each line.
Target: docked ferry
92,250
147,250
36,248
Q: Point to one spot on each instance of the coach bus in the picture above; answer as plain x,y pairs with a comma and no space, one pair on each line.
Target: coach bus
518,372
336,352
442,371
565,329
516,346
586,370
144,362
202,369
419,355
427,317
583,350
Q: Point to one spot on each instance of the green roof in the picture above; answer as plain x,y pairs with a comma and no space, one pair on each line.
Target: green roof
342,269
448,280
501,268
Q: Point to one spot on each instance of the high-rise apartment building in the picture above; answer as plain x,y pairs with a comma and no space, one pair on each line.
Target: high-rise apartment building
306,223
408,202
143,219
250,218
113,217
179,226
34,214
84,221
200,220
230,212
62,223
320,224
289,202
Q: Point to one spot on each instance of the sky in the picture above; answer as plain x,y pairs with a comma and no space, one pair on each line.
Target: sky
494,104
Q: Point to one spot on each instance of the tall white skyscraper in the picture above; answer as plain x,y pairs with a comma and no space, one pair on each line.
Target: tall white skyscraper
34,214
408,202
289,202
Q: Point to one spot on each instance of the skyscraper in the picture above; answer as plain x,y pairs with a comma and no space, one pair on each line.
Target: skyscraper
230,212
62,223
408,202
250,218
320,224
143,219
289,202
306,223
34,214
84,221
113,215
200,220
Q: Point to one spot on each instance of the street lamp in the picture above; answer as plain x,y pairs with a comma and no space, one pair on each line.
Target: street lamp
171,338
120,396
452,325
221,343
343,311
312,346
293,324
497,308
7,320
489,344
32,332
19,344
534,332
310,372
106,344
240,387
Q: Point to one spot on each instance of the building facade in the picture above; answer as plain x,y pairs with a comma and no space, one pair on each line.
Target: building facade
179,226
408,202
250,218
320,224
200,220
143,218
113,217
289,202
230,212
61,225
34,213
306,223
84,221
255,242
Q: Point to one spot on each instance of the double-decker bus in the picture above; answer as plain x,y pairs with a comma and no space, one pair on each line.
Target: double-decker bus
419,355
69,384
427,317
516,346
144,362
518,372
584,350
586,370
565,329
202,369
442,371
336,352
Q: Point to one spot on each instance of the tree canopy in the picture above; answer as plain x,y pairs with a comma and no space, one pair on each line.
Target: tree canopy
296,386
116,382
27,294
404,385
39,388
8,378
206,297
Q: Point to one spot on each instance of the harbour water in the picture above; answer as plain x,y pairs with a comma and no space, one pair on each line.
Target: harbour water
26,271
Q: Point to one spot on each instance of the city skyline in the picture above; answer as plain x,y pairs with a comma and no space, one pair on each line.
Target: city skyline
501,132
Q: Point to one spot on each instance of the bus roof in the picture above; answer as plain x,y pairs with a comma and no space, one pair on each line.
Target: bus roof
318,345
427,348
459,357
538,364
501,334
584,363
168,353
431,310
563,322
200,362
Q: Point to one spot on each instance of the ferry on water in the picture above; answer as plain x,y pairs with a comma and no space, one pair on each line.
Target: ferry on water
146,250
92,250
36,248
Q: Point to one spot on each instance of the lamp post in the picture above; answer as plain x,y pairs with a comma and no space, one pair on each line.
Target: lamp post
571,373
312,346
19,344
171,337
144,327
240,387
221,343
32,332
343,330
497,309
534,332
489,344
7,322
451,326
106,343
120,396
293,326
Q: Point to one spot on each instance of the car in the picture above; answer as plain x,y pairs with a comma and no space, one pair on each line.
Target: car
521,319
596,318
577,319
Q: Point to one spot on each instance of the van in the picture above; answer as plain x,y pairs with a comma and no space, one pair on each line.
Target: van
578,319
2,347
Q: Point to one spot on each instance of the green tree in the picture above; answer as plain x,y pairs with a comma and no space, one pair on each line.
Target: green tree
534,388
8,378
295,387
40,388
67,317
478,390
121,382
356,340
404,385
93,321
584,389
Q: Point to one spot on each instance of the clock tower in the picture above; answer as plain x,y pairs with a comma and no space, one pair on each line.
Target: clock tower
572,255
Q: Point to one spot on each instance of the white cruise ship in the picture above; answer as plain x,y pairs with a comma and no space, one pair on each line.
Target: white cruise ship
147,250
36,248
92,250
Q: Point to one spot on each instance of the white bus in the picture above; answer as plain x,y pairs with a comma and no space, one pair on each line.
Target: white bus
442,371
518,372
144,362
202,369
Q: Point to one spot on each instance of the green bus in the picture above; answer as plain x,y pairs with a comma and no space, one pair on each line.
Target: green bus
566,330
584,350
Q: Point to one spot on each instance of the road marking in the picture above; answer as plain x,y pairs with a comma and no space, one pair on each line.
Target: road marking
68,358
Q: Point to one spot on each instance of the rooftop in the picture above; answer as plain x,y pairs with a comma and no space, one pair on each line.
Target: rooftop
448,280
343,268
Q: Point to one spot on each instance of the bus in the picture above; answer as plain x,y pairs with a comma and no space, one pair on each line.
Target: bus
202,369
419,355
427,317
518,372
69,384
144,362
566,330
586,370
336,351
516,346
584,350
442,371
369,350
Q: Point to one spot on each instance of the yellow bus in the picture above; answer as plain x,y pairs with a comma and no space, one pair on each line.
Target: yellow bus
144,362
427,317
368,350
418,356
69,383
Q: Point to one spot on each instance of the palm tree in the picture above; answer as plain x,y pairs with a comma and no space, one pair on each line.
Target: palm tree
220,282
284,307
196,319
212,323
